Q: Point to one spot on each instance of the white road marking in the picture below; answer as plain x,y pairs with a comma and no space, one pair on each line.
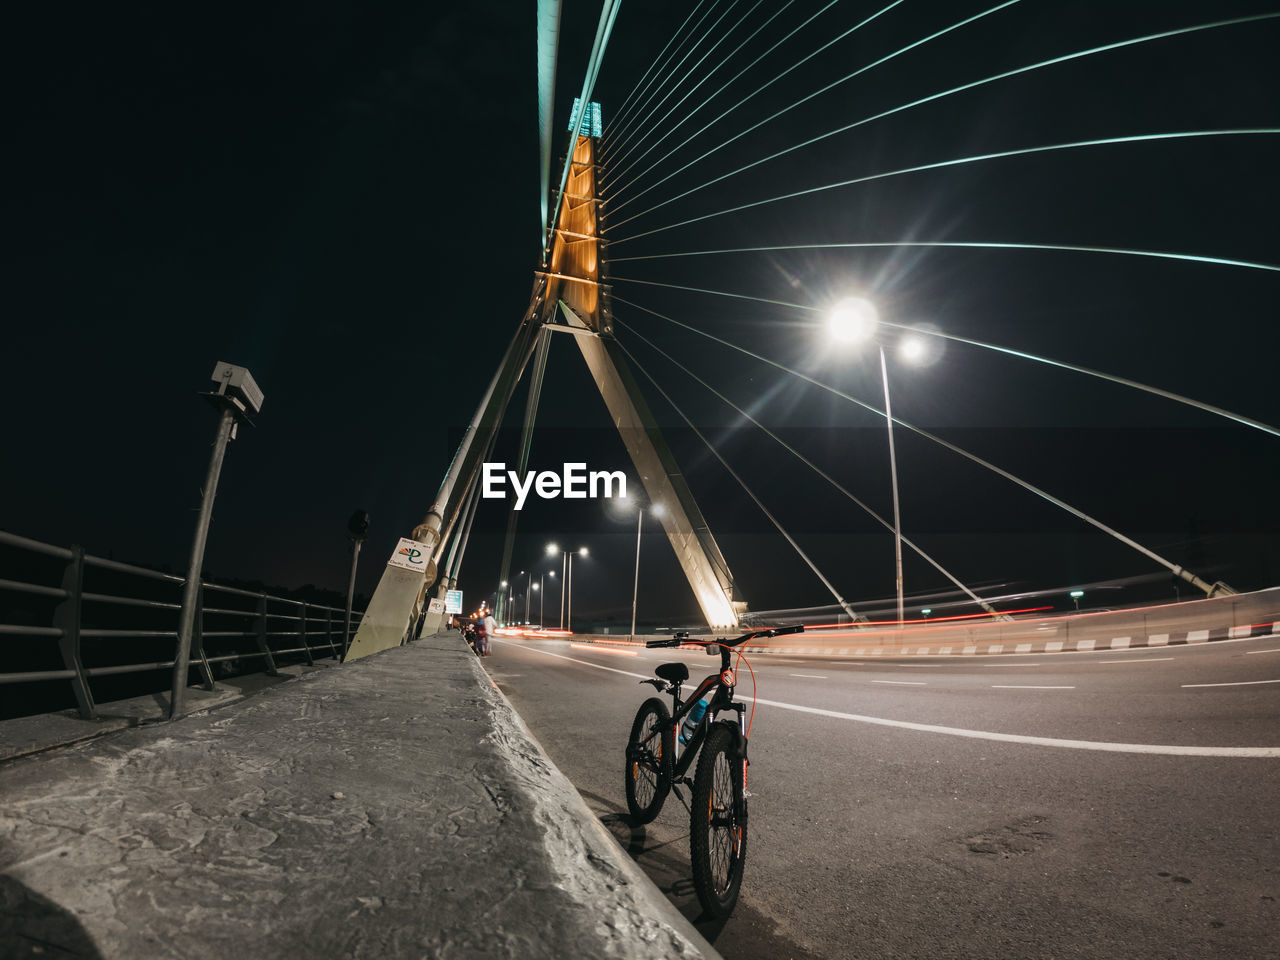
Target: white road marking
1238,683
904,683
1174,750
810,676
1140,660
1249,653
1015,664
1025,686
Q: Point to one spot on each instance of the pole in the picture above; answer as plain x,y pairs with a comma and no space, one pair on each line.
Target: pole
893,472
190,590
351,593
542,598
564,566
635,590
528,589
568,618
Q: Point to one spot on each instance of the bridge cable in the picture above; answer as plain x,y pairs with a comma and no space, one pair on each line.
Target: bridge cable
640,131
744,70
742,483
958,161
1009,351
923,100
805,99
764,87
1174,568
618,127
618,142
625,106
810,464
709,74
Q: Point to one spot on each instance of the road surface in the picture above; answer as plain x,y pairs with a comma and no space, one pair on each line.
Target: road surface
1040,806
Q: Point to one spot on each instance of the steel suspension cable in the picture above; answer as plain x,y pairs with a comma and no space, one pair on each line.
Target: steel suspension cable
742,483
627,100
707,76
958,161
639,131
1111,378
621,127
1105,48
1174,568
808,463
748,67
805,99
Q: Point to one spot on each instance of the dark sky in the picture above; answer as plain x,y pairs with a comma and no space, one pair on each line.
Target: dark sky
343,198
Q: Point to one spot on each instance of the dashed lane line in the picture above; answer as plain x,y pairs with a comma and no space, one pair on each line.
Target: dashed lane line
1025,686
1140,660
1237,683
904,683
809,676
1249,653
1172,750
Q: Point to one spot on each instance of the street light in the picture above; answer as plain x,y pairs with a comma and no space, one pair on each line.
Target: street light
568,611
852,320
657,510
1076,595
542,596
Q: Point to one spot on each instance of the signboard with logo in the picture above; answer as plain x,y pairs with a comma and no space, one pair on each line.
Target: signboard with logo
435,606
453,601
410,555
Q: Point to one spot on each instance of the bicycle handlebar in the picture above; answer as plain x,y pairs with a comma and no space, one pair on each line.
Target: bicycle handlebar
683,637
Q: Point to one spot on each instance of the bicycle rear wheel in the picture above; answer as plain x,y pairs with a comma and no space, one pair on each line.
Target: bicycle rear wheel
645,782
718,831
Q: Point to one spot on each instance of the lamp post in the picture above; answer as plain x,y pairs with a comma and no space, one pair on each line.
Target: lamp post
855,319
1075,596
656,509
568,616
237,398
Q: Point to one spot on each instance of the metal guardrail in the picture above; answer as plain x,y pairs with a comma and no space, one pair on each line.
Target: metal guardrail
263,627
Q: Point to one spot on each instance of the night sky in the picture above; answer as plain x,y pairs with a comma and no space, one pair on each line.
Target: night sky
343,198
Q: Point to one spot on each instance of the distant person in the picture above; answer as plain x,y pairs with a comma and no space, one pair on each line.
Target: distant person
490,628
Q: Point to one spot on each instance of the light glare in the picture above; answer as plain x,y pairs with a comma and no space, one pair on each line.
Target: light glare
852,319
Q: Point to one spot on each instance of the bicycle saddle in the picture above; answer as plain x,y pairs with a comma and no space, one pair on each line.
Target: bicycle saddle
673,672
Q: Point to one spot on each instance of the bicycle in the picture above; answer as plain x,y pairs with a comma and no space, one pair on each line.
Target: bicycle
718,799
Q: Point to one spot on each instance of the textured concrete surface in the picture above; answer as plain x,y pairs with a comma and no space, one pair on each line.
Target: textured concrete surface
395,807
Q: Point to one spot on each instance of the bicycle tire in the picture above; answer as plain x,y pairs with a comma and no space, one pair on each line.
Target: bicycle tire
645,783
718,823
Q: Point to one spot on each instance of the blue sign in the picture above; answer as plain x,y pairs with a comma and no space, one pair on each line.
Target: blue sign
453,601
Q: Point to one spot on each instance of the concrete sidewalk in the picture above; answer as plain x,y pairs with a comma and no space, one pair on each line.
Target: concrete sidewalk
393,807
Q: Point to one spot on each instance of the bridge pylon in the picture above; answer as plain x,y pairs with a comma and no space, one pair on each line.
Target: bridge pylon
571,297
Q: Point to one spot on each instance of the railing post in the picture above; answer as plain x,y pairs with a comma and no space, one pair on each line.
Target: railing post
302,635
328,632
197,641
262,636
66,617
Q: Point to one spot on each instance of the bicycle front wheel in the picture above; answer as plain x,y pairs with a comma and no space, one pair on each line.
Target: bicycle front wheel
646,783
718,832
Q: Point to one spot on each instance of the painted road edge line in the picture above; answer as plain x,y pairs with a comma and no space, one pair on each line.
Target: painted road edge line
1174,750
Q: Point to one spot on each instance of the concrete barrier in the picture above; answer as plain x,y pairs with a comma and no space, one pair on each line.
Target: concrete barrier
1194,621
393,807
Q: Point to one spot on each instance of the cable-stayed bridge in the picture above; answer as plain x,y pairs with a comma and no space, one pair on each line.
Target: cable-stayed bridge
812,207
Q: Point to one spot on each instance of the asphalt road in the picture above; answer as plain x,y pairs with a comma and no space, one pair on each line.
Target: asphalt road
876,834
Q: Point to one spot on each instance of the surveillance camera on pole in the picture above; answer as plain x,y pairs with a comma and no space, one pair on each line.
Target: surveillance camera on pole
238,399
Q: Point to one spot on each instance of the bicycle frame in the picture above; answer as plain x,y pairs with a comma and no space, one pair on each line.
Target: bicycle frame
722,699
